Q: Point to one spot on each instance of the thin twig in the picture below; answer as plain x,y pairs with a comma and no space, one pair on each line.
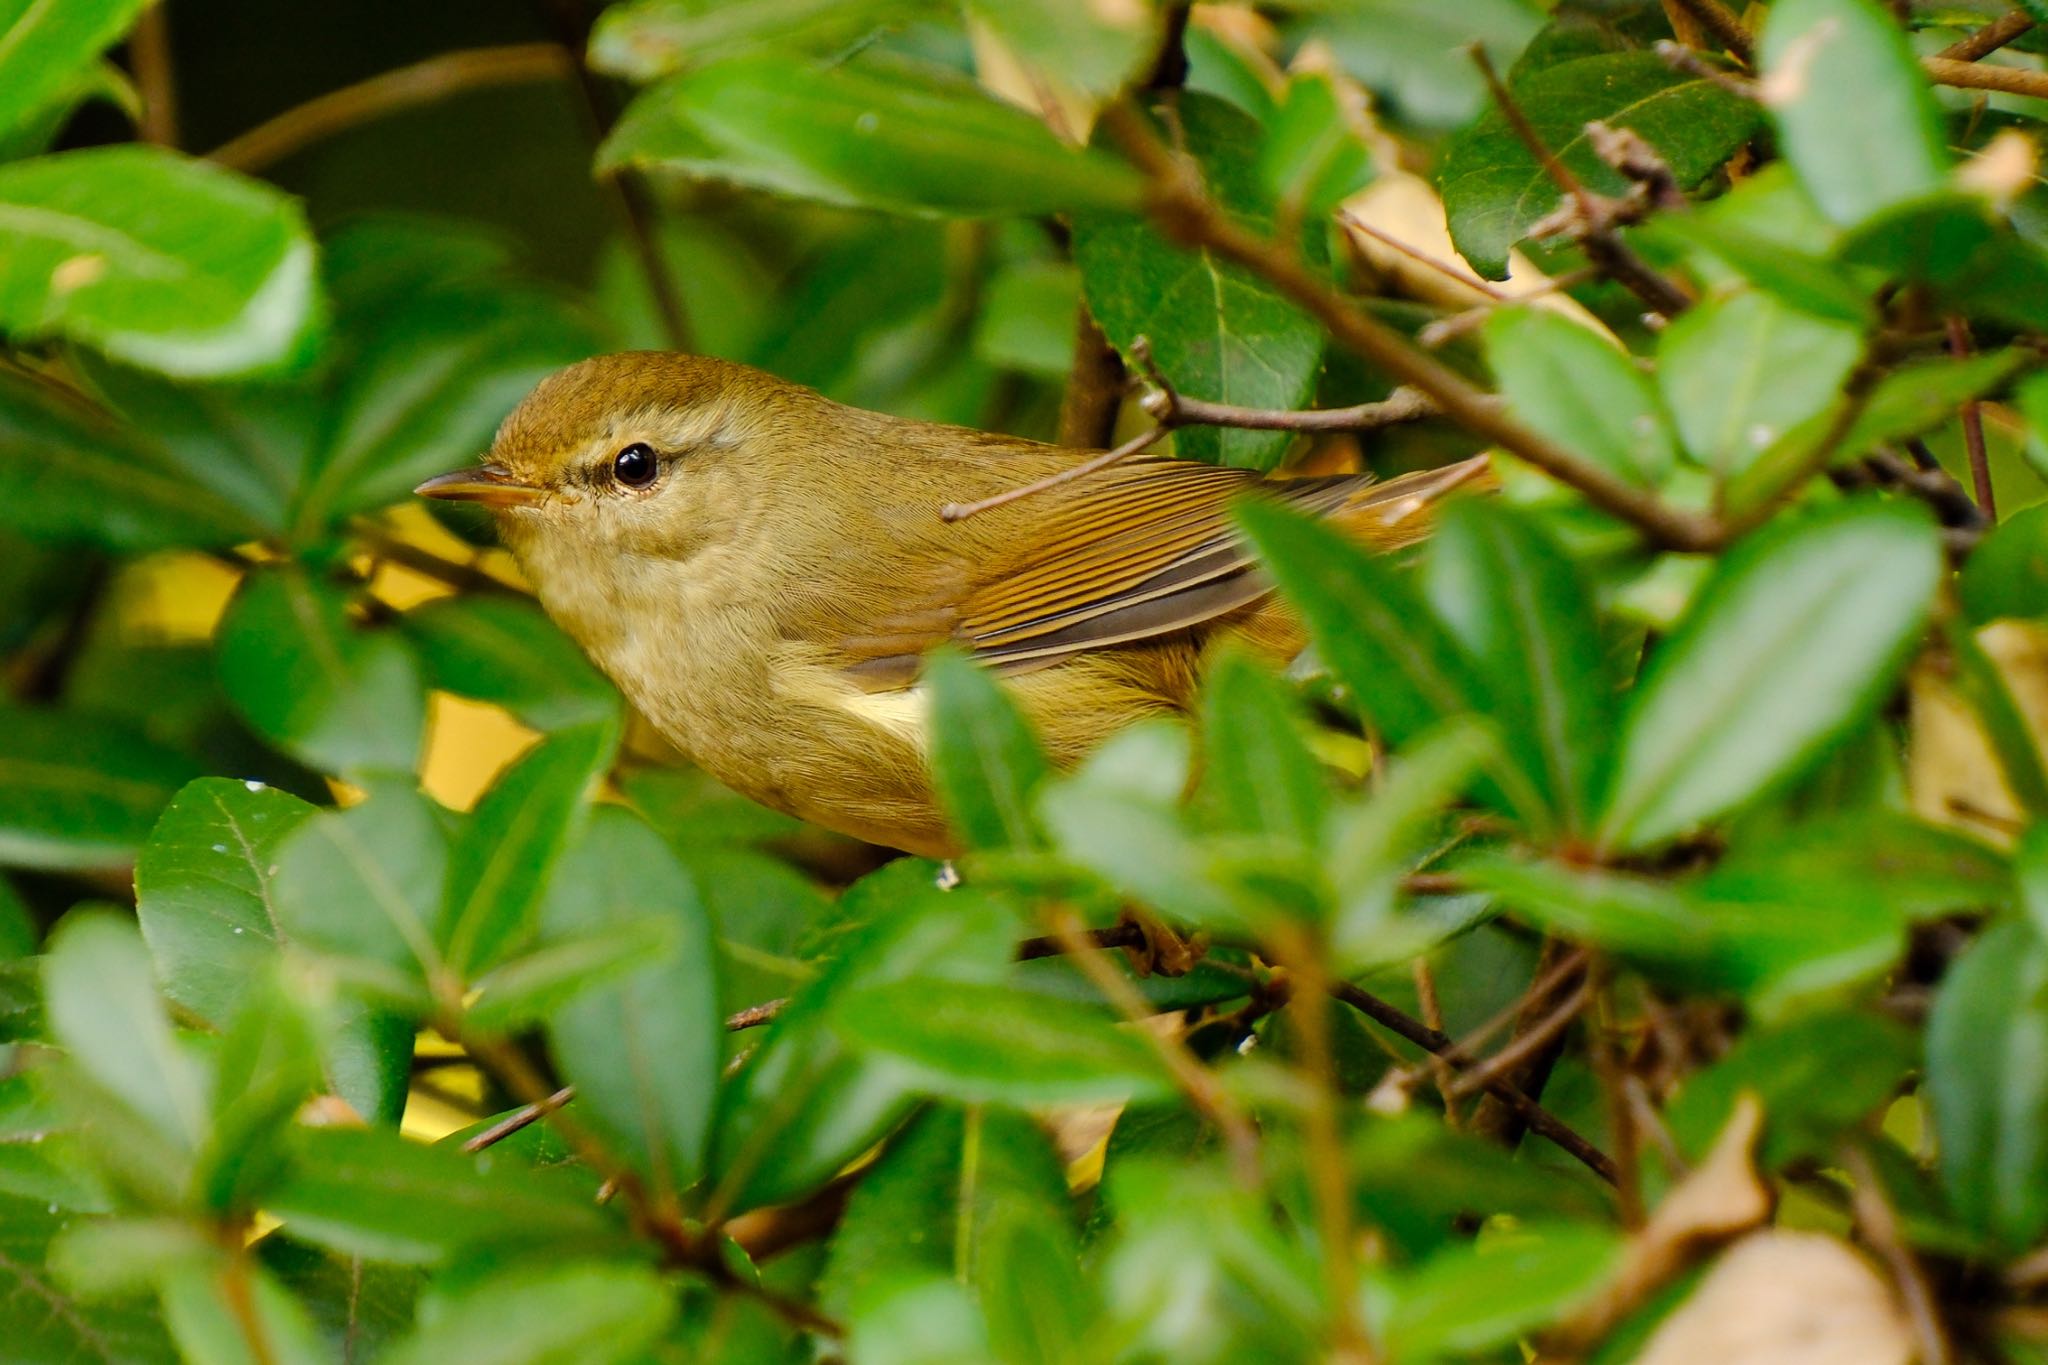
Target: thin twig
1187,214
1433,1015
390,92
1532,1068
149,53
1401,406
960,511
1679,57
1621,1119
420,560
753,1016
1129,934
1194,1080
1540,1120
1879,1224
1729,31
1526,1044
1423,258
1959,345
518,1119
1988,39
2008,80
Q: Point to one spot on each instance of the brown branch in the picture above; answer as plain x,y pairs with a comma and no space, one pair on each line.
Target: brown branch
753,1016
1173,409
1540,1120
518,1119
1988,39
1194,1080
390,92
1879,1224
420,560
1129,934
149,54
1542,1014
1973,426
1728,30
1188,215
1433,1015
960,511
1526,1045
1624,1134
2008,80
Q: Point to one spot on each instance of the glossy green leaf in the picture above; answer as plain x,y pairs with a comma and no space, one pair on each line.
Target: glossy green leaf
104,1009
163,262
986,762
1793,641
358,1306
2007,574
645,39
371,1193
43,1318
596,1311
1853,111
1259,776
1403,669
204,890
1090,47
365,884
1879,856
78,792
441,369
986,1043
1964,249
45,46
1495,190
1469,1298
1768,231
1314,155
1518,605
501,862
1740,371
503,650
1987,1080
69,472
642,1048
876,134
1216,331
1564,380
330,692
1413,53
1917,398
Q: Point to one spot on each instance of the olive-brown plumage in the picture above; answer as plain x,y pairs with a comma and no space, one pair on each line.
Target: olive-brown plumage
761,569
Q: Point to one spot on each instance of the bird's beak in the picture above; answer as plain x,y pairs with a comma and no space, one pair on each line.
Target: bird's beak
489,484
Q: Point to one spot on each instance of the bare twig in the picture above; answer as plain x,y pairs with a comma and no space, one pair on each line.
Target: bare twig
960,511
1879,1224
1194,1080
1621,1115
1988,39
1539,1014
1540,1120
149,53
2009,80
1187,214
1527,1044
1972,415
1173,409
1448,270
1679,57
1729,31
420,560
518,1119
753,1016
390,92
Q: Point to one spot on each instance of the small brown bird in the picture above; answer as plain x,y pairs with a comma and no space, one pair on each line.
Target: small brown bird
761,571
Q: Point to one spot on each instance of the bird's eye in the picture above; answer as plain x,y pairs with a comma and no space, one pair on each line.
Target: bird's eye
636,465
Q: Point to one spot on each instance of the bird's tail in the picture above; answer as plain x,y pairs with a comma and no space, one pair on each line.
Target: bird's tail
1398,512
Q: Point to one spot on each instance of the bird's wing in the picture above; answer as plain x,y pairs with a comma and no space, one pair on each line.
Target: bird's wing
1148,549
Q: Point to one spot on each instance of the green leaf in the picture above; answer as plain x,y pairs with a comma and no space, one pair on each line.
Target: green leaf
1874,856
330,692
1963,247
1987,1080
1027,318
214,1307
1413,53
1795,639
1416,1180
986,762
499,867
1817,1078
1769,233
76,792
1469,1298
1564,380
43,1319
595,1311
1404,670
204,890
440,370
504,650
1495,190
158,260
943,1181
2007,574
104,1009
368,1192
1853,111
69,472
356,1305
644,39
1259,776
983,1043
1741,370
1090,47
1917,398
1314,154
45,46
642,1049
881,134
1515,600
1216,331
366,884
